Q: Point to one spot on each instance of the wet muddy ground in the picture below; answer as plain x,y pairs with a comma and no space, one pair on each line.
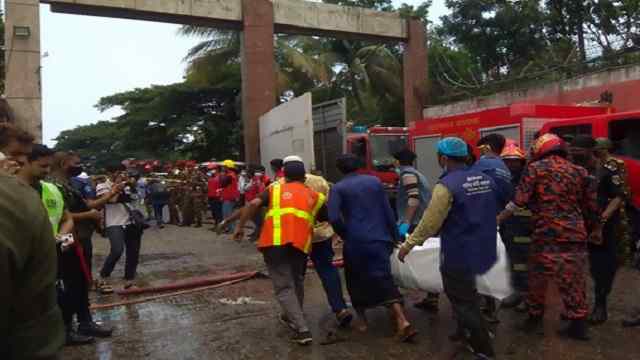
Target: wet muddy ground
240,321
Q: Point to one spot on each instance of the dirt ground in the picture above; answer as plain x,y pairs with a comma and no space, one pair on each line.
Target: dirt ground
208,325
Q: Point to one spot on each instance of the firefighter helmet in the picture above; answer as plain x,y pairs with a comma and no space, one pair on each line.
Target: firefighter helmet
512,151
546,144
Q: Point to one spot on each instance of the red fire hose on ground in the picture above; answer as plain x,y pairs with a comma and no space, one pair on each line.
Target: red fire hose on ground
186,287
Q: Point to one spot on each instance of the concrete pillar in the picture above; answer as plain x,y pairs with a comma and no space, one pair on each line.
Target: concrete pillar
22,59
415,72
258,72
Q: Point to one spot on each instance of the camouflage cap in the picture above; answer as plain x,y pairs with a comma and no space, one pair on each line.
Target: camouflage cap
603,144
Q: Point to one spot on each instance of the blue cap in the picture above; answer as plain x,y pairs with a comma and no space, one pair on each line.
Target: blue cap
453,146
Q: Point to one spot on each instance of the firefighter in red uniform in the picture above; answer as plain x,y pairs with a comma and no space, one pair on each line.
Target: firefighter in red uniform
562,198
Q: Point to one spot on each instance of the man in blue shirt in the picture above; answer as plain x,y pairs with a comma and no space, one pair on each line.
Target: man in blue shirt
462,210
360,213
491,164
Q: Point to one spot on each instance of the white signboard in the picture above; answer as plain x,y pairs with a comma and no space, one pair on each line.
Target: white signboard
288,130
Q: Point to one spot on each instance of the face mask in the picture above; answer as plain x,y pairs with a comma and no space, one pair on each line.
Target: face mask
2,156
74,171
397,170
259,174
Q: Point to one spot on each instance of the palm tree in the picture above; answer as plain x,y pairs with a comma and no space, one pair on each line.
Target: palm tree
296,70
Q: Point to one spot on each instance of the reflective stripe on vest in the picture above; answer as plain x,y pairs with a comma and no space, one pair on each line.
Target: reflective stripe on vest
275,213
54,204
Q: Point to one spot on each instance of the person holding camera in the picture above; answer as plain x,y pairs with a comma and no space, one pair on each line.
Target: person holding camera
120,229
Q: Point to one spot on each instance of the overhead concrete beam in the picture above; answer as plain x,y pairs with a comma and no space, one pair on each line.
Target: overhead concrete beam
290,16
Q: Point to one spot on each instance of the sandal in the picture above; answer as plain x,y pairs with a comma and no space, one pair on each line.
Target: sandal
104,287
407,334
344,318
129,285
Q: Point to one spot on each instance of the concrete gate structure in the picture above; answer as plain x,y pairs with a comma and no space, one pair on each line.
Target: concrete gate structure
258,20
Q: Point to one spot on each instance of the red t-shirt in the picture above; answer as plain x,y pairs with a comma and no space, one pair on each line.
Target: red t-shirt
258,185
213,185
230,192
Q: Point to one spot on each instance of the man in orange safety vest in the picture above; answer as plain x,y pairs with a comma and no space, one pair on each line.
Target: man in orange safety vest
285,240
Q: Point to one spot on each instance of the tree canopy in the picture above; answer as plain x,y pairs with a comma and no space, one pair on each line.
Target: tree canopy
479,47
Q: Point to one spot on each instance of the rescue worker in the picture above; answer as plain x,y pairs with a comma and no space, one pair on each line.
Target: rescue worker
322,257
516,232
467,237
199,204
186,206
285,241
413,196
490,163
213,195
230,194
174,201
276,168
613,247
360,213
561,197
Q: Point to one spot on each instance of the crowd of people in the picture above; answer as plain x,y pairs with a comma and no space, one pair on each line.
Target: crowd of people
563,212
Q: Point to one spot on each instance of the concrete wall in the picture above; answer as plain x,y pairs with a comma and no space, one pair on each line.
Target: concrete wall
22,59
288,130
623,83
291,16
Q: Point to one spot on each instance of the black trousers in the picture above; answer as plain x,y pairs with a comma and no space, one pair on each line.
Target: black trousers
121,238
460,288
603,260
73,290
87,249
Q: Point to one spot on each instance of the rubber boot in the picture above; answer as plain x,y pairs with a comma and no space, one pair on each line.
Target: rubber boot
576,330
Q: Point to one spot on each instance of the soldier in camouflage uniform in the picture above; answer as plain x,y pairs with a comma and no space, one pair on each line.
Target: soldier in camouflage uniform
613,247
174,201
186,206
199,203
562,199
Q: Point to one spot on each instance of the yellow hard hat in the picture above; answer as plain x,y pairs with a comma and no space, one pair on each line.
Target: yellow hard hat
229,164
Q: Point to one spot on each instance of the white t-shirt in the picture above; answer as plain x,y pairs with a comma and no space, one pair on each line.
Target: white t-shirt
115,214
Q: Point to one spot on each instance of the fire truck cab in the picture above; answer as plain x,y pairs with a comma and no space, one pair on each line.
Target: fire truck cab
623,129
519,122
375,147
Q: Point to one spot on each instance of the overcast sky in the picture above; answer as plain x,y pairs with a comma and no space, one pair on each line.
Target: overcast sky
86,58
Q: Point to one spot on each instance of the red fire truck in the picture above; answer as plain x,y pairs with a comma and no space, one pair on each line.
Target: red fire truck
375,147
623,129
519,122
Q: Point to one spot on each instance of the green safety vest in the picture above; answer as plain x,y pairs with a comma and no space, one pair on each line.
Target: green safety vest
54,203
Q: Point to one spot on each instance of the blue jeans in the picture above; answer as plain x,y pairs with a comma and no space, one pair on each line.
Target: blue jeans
157,211
227,210
322,257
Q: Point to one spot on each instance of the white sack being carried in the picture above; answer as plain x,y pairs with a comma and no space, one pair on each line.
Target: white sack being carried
421,271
